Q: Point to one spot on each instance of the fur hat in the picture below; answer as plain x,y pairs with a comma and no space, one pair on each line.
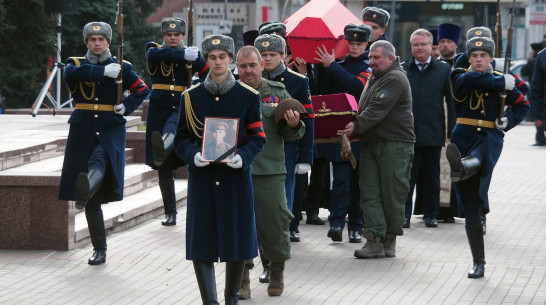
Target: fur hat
480,43
377,15
173,24
355,32
289,103
479,31
271,42
218,42
274,27
249,37
449,31
97,28
434,33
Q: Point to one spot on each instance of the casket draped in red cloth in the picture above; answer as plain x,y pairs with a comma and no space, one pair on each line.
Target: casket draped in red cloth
332,113
319,22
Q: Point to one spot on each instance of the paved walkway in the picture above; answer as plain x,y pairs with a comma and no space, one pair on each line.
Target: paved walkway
146,264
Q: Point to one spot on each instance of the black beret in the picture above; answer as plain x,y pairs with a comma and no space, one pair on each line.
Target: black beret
355,32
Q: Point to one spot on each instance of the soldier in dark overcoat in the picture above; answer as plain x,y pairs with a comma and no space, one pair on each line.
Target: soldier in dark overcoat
167,68
298,153
477,139
220,216
94,159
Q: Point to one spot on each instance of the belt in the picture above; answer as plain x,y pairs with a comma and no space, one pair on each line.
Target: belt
96,107
475,122
168,87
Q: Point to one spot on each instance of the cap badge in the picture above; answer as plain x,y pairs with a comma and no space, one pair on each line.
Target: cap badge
355,35
216,41
265,44
479,43
374,16
96,28
172,25
478,32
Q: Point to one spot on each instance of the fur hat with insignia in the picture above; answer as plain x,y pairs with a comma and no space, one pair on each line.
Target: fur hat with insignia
480,43
218,42
479,31
289,103
449,31
97,28
271,42
173,24
272,27
377,15
353,32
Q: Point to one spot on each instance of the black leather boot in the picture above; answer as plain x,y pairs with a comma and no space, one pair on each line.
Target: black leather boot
97,233
87,185
264,277
161,146
234,275
169,201
204,271
474,234
461,168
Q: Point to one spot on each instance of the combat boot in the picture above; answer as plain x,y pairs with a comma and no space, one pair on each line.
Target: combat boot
169,201
161,146
461,168
276,279
474,234
244,292
372,249
389,245
264,277
87,185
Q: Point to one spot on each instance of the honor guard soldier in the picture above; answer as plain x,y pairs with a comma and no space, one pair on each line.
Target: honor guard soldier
167,67
477,139
347,76
220,213
269,171
448,39
94,160
272,27
377,19
298,154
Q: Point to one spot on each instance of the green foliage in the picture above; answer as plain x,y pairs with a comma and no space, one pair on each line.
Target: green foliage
28,34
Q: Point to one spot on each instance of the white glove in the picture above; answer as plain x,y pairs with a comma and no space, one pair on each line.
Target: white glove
302,168
509,82
502,124
112,70
235,162
119,109
190,54
199,161
499,64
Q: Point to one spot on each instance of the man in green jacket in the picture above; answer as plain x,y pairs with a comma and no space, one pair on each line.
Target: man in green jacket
384,125
269,172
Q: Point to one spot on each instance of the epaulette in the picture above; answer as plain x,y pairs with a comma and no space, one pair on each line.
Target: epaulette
124,61
497,73
152,44
464,69
296,73
272,83
249,88
77,60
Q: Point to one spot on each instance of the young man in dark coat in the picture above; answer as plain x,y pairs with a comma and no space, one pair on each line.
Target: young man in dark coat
477,139
94,160
167,67
220,218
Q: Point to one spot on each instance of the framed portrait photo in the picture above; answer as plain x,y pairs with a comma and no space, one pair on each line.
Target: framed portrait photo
220,139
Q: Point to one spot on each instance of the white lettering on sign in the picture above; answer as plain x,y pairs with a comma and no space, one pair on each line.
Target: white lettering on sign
452,6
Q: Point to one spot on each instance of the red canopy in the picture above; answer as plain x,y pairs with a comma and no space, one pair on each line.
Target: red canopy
319,22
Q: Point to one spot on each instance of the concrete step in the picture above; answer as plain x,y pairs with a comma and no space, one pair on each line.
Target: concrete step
132,210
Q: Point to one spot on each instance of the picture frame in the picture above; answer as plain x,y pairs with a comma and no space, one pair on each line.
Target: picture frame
220,139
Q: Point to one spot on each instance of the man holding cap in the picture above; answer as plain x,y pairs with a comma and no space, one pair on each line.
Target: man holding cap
166,64
220,205
377,19
477,139
269,172
94,160
298,154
